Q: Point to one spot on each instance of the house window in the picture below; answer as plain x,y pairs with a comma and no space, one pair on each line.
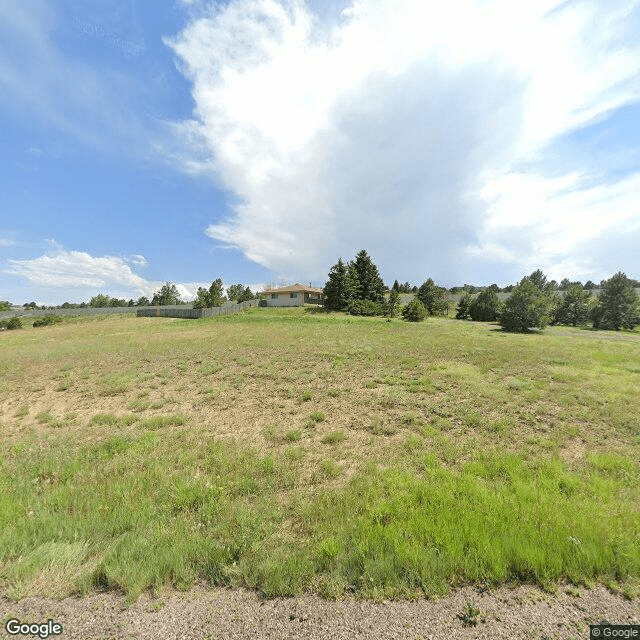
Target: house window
293,295
274,296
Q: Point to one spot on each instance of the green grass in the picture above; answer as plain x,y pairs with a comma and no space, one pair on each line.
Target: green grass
109,419
335,437
470,457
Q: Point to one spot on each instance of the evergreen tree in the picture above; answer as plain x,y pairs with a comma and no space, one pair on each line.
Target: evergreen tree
573,307
166,295
393,303
369,284
486,307
415,311
340,289
101,300
538,279
396,286
618,304
590,285
216,295
406,288
433,298
464,305
527,306
247,294
234,291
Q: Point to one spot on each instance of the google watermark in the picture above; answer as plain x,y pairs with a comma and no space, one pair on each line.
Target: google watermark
42,630
599,631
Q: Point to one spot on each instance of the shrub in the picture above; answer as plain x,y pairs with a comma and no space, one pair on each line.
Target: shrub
46,320
415,311
14,323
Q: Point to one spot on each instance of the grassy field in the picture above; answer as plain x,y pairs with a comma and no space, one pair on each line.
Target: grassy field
286,451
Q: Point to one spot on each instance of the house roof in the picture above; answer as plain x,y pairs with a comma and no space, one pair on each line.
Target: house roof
294,288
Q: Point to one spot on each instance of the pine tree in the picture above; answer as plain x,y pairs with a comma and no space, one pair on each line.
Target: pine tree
396,286
433,298
166,295
618,304
414,311
340,289
527,306
464,306
573,307
393,303
486,307
369,285
247,294
234,291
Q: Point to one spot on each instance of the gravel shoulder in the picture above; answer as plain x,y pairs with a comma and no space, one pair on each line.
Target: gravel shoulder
522,612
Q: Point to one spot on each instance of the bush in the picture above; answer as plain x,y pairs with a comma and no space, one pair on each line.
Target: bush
14,323
415,311
365,308
46,320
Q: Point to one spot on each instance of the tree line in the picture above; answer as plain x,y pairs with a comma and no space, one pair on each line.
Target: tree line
167,295
357,288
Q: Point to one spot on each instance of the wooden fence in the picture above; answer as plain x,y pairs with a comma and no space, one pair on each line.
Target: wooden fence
182,312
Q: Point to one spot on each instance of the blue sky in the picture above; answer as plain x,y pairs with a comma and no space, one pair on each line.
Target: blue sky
260,140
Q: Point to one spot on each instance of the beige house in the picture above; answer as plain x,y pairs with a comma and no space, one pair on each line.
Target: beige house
295,295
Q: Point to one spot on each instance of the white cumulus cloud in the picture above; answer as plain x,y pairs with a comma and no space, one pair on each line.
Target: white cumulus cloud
403,128
70,269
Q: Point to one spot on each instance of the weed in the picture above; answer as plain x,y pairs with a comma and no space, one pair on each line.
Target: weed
317,416
138,405
22,411
210,368
306,396
413,443
270,433
330,468
335,437
158,422
470,615
379,426
293,436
